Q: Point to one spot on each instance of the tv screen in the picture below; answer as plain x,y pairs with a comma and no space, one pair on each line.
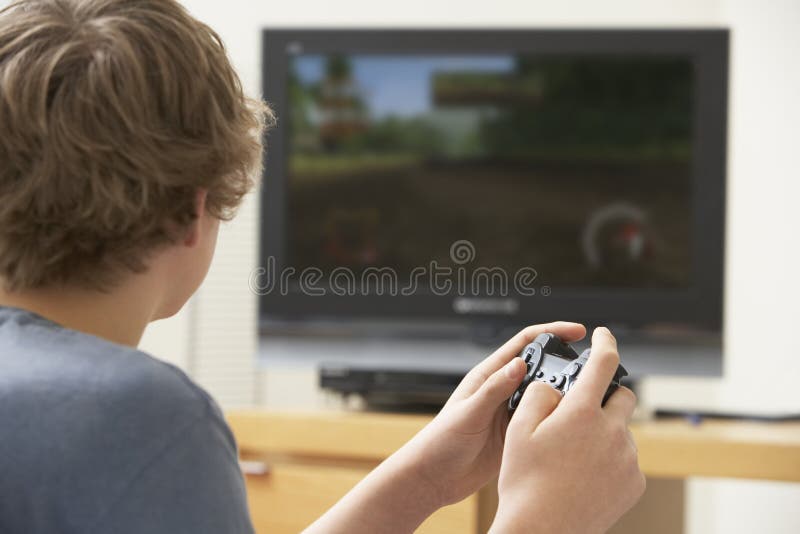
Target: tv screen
577,166
591,161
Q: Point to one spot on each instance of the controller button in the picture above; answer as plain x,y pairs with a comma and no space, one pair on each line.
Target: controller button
539,374
559,381
553,379
572,369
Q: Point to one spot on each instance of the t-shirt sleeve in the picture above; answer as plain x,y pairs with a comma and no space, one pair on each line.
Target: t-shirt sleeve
193,485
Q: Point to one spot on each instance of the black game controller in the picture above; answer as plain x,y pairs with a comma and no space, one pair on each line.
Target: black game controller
554,362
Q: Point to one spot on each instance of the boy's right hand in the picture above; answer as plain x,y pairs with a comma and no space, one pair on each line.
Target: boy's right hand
571,465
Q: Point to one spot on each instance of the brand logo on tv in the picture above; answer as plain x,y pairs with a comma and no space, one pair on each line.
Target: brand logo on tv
486,306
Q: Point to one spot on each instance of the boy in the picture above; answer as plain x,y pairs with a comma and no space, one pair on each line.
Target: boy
126,138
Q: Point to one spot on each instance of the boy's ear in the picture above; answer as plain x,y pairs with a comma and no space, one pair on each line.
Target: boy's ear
195,228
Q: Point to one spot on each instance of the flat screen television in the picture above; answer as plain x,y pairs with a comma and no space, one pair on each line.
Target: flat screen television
506,176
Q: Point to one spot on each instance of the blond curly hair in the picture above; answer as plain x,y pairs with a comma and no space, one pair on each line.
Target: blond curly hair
114,113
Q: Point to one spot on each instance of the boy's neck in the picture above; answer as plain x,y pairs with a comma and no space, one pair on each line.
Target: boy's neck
119,315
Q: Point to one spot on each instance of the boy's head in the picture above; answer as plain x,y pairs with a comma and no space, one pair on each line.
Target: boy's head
125,132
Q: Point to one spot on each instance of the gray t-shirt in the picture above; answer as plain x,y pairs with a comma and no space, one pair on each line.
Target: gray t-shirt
100,438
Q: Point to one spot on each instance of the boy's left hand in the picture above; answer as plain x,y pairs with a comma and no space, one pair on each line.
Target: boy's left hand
460,450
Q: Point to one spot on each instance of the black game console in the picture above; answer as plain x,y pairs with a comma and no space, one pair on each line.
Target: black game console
550,360
391,389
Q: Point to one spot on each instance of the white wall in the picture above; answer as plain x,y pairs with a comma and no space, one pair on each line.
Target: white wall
763,253
762,286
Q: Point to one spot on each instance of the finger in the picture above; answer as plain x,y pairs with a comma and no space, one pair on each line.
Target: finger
621,404
538,401
595,377
497,389
568,332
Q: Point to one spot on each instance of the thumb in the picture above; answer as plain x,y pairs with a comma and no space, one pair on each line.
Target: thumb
498,388
538,401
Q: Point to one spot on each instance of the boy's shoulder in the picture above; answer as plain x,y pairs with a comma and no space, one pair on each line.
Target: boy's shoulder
62,369
86,420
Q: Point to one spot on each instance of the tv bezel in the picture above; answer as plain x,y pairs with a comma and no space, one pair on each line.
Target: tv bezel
700,306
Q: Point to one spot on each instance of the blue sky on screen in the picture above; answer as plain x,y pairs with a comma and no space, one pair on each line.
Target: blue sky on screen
399,85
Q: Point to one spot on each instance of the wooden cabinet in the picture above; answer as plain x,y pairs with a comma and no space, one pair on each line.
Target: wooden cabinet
289,495
293,493
303,463
296,471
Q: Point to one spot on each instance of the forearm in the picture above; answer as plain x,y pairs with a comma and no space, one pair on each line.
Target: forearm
509,523
390,500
